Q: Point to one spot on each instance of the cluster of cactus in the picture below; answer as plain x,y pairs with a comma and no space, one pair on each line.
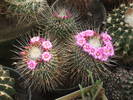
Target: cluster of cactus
38,71
61,51
6,85
120,27
58,24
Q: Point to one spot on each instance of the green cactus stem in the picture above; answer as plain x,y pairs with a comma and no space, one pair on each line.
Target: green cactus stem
120,27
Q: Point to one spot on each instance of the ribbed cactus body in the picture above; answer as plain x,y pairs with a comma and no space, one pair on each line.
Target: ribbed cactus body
120,27
6,85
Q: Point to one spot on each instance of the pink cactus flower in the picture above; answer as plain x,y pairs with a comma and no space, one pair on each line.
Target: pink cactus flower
80,41
35,39
42,40
46,56
108,50
105,36
107,42
86,47
78,36
47,45
32,64
104,58
87,33
92,51
98,53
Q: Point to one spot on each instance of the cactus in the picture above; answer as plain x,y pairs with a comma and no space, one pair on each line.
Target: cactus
119,85
83,11
25,7
40,62
120,27
83,54
58,22
6,85
25,10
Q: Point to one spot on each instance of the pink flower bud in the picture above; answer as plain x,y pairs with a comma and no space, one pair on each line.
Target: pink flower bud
22,53
105,36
